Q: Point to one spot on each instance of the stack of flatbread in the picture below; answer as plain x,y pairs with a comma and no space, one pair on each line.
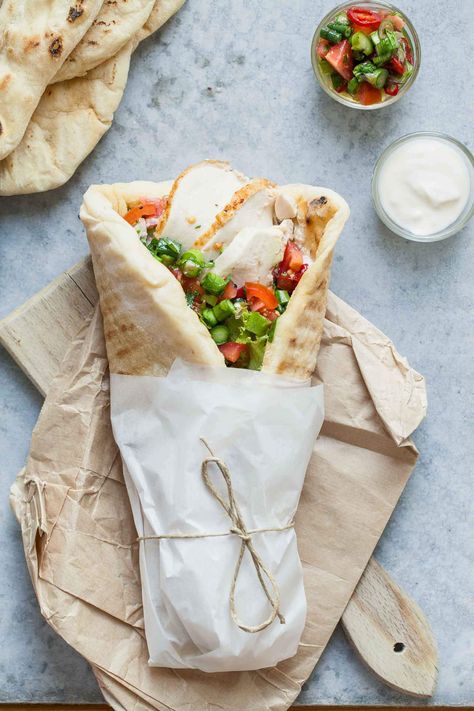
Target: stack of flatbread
63,70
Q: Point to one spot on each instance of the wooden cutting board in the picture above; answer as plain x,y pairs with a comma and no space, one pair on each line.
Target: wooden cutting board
386,627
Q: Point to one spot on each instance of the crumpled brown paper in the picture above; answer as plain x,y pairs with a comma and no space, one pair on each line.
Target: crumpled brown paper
79,537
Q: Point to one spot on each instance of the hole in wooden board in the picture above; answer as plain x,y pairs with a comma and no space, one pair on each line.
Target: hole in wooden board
398,647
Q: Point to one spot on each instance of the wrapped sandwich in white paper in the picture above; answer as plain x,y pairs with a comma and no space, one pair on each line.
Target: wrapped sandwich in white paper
264,434
216,270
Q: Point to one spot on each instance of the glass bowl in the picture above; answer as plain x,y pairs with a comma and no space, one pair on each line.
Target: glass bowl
347,100
460,221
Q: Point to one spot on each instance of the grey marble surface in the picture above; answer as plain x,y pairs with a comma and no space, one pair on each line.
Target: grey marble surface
233,80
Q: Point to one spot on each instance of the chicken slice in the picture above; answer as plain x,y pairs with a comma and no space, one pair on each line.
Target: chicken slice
197,196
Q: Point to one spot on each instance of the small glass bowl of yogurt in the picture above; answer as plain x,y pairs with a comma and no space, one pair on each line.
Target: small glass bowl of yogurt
423,186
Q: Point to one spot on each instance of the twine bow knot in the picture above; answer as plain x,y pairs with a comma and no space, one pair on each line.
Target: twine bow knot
238,529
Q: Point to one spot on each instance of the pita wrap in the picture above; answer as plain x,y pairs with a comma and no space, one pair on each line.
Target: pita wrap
36,37
147,321
71,118
117,22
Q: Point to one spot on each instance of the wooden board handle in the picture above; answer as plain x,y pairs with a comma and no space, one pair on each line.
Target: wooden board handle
391,633
379,614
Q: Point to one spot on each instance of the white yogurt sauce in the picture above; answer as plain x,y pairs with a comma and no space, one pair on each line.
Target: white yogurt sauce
424,185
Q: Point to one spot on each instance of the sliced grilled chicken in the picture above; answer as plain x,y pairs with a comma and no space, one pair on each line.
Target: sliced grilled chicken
251,206
198,194
251,255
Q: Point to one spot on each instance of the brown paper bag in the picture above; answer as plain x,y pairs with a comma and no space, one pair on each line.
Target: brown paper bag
79,537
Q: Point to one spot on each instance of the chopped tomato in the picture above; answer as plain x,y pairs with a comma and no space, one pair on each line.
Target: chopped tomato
368,19
133,215
408,50
292,258
361,28
191,285
323,48
368,94
340,57
259,291
159,203
397,22
145,209
342,87
270,314
286,281
256,304
232,351
240,293
289,280
396,66
391,88
230,292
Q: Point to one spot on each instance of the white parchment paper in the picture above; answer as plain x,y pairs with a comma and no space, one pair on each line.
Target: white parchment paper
263,427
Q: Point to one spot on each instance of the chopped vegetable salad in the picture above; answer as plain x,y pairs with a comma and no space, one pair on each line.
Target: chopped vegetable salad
241,320
366,54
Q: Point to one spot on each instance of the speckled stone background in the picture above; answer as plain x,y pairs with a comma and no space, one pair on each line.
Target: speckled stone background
234,80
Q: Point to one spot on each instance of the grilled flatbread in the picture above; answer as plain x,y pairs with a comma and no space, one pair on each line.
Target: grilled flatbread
115,25
68,123
72,117
36,36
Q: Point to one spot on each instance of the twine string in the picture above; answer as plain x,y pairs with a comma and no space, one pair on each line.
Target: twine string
238,528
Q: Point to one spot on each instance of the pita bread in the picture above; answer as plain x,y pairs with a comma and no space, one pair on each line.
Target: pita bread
68,123
36,36
147,321
117,22
71,118
161,12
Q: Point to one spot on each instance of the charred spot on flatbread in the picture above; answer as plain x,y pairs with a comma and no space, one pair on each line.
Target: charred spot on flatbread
31,43
319,212
56,47
74,12
1,128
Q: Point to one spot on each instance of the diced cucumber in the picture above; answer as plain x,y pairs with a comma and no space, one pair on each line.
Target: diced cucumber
388,45
378,61
343,29
209,318
342,19
352,86
283,296
361,43
360,70
336,80
331,35
325,67
220,334
223,310
407,73
375,37
385,26
377,78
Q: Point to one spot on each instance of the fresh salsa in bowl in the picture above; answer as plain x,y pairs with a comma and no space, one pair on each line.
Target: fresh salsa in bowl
365,55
